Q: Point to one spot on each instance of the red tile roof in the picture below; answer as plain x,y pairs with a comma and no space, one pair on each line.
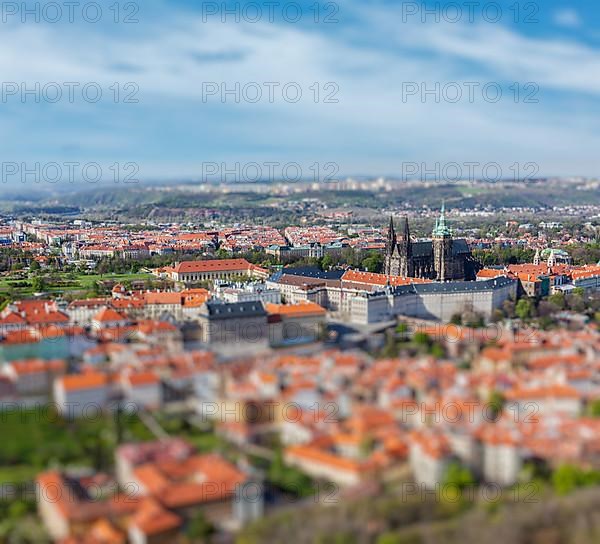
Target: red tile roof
91,380
216,265
108,315
295,310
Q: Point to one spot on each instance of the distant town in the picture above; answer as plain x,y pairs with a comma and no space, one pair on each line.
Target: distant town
178,382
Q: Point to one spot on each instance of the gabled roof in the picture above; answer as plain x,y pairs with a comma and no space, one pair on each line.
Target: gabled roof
215,265
90,380
152,519
372,278
12,319
33,366
140,379
108,315
295,310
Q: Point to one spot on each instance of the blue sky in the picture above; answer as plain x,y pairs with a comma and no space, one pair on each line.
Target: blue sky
369,55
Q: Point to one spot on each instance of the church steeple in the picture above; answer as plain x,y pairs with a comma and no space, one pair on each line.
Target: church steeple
392,257
391,241
441,229
406,231
442,248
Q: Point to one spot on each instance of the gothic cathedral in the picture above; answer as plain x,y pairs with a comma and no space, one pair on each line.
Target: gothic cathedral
442,258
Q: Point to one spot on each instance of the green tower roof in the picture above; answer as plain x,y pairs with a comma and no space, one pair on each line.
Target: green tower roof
441,229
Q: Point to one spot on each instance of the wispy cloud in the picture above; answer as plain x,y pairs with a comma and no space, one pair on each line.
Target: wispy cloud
369,129
567,17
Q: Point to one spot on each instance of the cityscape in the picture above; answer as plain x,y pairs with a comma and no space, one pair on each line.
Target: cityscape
221,383
299,272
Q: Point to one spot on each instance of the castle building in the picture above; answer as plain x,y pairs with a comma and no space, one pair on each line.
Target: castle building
442,258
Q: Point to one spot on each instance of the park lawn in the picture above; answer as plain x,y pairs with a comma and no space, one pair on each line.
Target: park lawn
17,474
36,439
207,441
87,281
82,283
204,440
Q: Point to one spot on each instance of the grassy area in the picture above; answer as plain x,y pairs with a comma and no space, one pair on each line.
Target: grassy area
204,441
17,474
57,284
40,438
37,439
87,281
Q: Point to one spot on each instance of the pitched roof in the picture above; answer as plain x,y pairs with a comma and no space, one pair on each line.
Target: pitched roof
294,310
371,278
152,519
33,366
142,378
107,315
12,318
216,265
90,380
229,310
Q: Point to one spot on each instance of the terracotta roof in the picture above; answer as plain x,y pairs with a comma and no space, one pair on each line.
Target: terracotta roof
300,309
107,315
490,273
153,519
103,532
12,319
215,265
33,366
371,278
142,378
158,297
319,455
548,391
191,480
91,380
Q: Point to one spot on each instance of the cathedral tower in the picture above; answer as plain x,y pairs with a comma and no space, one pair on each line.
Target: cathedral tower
442,248
392,257
405,251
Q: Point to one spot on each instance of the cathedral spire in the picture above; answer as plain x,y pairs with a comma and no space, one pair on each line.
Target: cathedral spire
441,229
391,234
406,230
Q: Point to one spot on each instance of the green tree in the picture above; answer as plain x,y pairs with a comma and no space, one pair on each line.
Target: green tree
579,291
327,262
565,479
524,309
390,349
374,262
459,476
558,300
395,538
576,302
389,538
421,339
594,408
402,328
456,319
496,403
38,284
437,351
199,529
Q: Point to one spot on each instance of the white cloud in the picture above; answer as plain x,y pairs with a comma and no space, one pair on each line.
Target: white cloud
171,61
567,17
